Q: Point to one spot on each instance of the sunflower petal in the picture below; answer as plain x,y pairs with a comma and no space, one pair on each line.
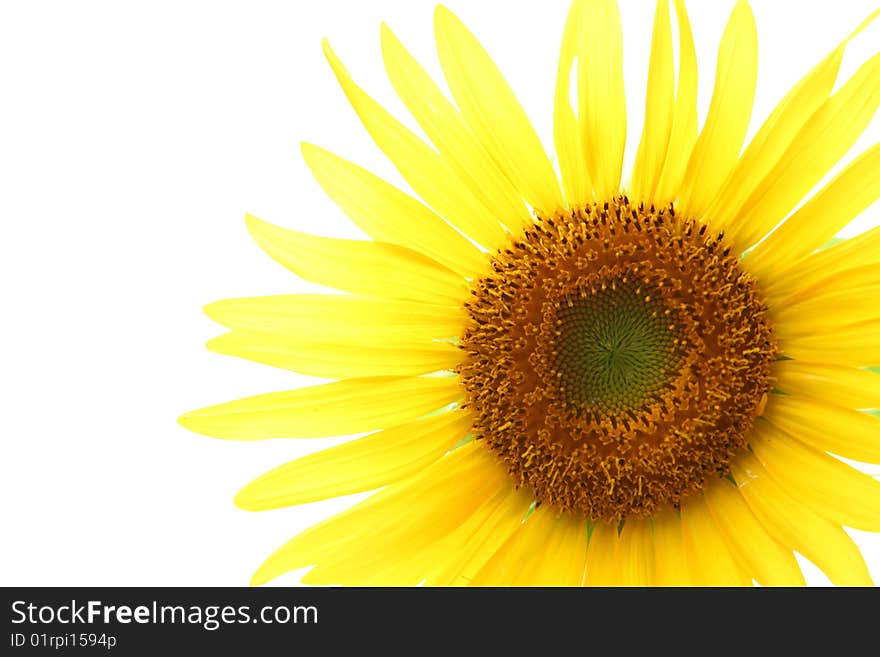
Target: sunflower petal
446,128
771,563
522,560
798,528
819,144
851,192
711,562
852,344
378,322
331,409
670,564
469,549
779,130
400,518
849,433
494,114
370,462
604,562
601,95
659,108
636,553
566,134
834,384
718,146
388,215
329,360
833,489
423,168
370,268
683,133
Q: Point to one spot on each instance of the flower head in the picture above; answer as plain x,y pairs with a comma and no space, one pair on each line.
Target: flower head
570,378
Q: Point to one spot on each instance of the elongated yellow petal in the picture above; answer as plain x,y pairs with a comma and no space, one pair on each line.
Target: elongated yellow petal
469,549
566,134
548,549
863,249
329,360
771,563
833,384
446,128
683,133
670,562
407,515
819,219
422,167
829,309
659,109
302,317
604,565
332,409
853,344
797,527
636,553
388,215
494,114
710,560
375,460
601,95
721,140
406,553
833,489
819,144
778,130
849,433
370,268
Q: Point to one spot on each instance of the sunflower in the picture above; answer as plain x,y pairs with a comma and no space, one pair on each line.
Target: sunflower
567,379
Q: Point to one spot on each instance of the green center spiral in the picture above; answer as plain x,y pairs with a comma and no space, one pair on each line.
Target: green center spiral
615,347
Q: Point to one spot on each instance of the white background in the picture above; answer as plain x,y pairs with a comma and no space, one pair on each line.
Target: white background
133,139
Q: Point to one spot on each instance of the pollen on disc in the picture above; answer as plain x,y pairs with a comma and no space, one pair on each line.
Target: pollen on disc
616,357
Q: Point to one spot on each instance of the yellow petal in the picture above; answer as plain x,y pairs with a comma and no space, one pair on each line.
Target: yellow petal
604,561
370,268
400,518
446,128
797,527
770,562
778,130
852,344
670,562
863,249
334,360
820,218
494,114
423,168
468,549
331,409
601,96
636,553
548,549
659,109
566,134
819,144
849,433
833,489
375,460
710,561
305,317
833,384
721,140
683,133
388,215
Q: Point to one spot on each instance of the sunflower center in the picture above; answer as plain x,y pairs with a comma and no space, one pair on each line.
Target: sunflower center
616,358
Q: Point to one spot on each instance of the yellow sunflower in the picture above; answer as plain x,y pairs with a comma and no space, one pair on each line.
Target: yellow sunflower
564,379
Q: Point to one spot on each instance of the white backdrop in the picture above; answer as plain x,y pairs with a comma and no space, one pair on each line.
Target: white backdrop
133,139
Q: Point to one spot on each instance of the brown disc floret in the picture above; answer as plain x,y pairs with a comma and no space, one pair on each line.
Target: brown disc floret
616,357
